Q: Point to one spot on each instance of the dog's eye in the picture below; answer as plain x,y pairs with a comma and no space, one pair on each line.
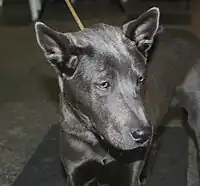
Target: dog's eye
140,79
104,85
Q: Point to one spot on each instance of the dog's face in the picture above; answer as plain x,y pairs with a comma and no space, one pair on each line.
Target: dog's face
101,72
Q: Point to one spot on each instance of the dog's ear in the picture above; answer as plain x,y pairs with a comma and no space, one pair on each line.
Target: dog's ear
59,49
143,29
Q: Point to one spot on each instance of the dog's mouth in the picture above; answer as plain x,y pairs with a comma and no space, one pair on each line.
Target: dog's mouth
125,147
146,143
126,155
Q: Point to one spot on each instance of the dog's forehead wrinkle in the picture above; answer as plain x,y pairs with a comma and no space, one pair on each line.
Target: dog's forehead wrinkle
108,42
104,38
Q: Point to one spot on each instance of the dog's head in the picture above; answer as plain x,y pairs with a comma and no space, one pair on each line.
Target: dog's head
101,73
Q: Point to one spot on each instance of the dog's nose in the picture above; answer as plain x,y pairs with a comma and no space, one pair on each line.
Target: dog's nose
141,135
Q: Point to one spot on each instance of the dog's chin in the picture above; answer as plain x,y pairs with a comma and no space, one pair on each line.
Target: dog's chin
128,145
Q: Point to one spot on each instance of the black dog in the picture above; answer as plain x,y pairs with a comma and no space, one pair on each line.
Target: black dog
110,100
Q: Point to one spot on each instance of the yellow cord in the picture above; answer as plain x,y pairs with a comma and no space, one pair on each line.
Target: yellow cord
78,21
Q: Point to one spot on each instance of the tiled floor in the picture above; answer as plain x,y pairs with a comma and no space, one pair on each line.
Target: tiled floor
28,93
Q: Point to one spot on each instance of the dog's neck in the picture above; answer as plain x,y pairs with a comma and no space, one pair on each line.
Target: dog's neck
73,116
75,125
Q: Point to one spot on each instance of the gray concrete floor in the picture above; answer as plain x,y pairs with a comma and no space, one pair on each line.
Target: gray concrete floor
28,93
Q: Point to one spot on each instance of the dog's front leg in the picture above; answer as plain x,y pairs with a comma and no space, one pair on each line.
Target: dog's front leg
69,181
137,167
136,170
83,171
81,155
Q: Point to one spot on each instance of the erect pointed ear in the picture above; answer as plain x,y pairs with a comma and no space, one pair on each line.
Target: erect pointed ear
59,49
143,29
